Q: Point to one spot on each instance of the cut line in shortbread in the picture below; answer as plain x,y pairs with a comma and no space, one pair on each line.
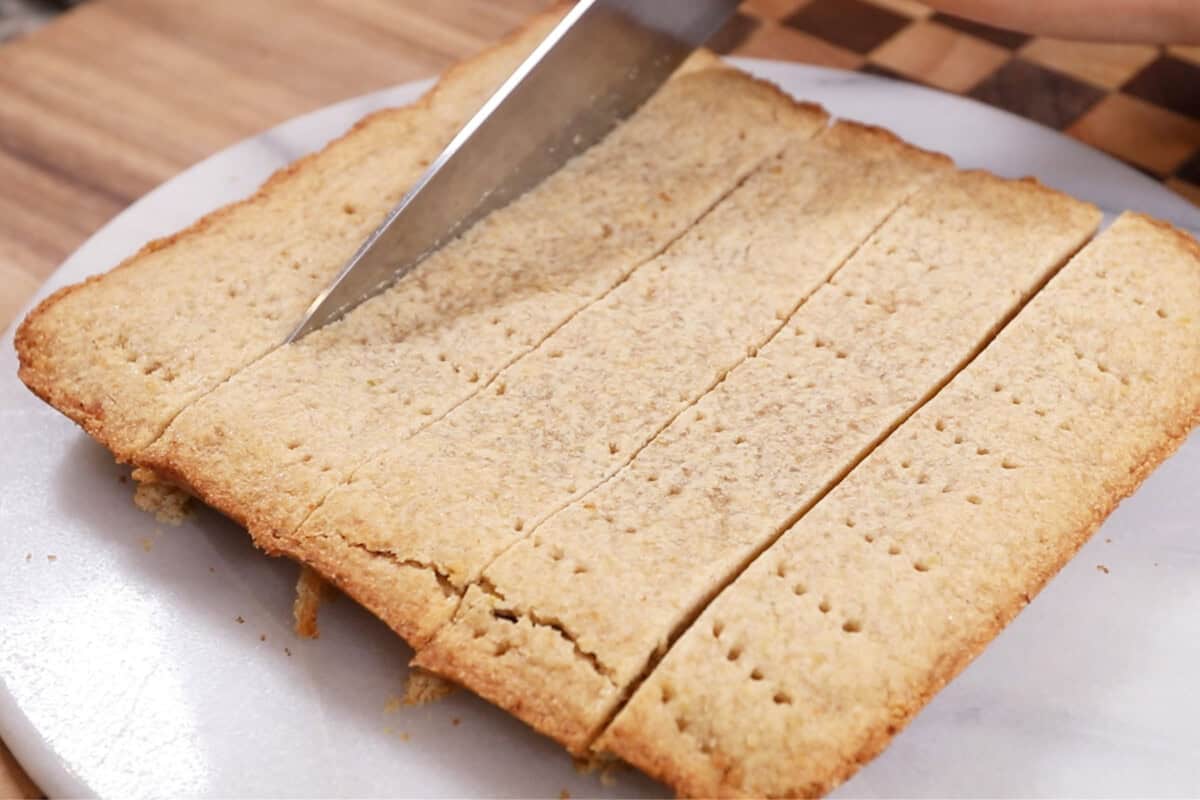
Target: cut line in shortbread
559,628
401,361
809,663
423,520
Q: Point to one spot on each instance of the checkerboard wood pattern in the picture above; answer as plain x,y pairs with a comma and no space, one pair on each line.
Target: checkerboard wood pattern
1140,103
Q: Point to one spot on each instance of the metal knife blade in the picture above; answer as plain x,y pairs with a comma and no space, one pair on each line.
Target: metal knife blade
598,65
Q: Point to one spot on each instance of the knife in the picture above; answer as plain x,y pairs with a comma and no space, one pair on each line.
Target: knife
595,68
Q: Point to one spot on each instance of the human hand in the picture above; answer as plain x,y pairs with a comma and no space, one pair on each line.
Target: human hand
1147,21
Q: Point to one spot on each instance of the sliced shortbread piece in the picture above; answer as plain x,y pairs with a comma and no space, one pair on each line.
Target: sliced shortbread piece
267,446
564,622
417,524
833,638
124,352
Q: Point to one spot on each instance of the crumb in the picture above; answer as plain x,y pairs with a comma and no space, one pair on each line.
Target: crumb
393,704
604,763
288,651
29,556
55,558
147,544
424,687
564,795
167,503
1108,541
404,737
211,569
262,637
311,590
240,619
1102,568
456,722
122,479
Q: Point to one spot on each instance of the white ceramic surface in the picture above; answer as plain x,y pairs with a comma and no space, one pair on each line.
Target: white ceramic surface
124,670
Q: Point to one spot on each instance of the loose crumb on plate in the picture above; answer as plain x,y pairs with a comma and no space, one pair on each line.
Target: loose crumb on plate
167,503
401,735
605,764
1102,568
586,765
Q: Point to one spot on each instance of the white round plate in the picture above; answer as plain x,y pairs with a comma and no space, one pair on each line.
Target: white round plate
138,660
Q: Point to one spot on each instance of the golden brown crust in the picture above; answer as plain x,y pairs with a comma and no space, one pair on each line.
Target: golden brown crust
33,348
1181,237
490,683
862,134
403,594
562,715
210,492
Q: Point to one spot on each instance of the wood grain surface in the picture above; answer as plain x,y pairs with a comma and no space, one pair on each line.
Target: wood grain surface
116,96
